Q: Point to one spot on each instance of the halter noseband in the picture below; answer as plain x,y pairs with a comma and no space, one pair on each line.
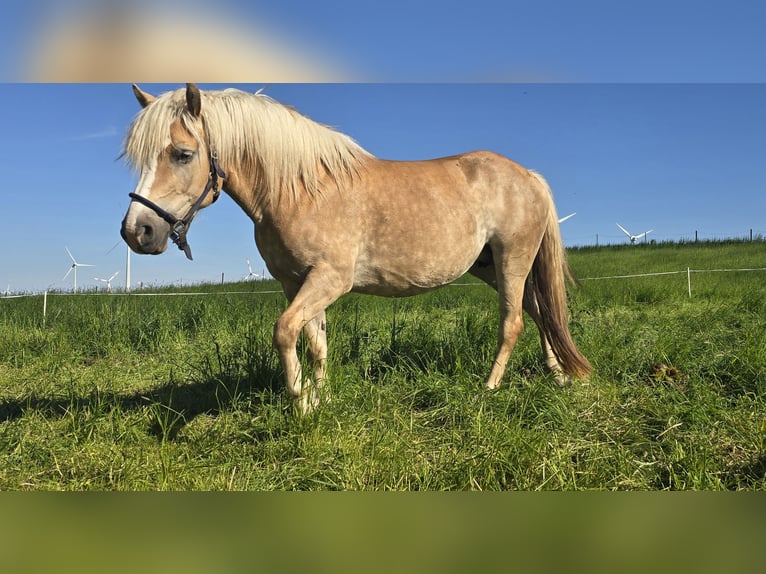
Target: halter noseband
179,227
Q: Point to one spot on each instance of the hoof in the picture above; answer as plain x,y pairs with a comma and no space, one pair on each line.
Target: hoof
563,380
308,401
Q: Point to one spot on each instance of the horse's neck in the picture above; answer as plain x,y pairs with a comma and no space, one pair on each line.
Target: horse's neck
246,193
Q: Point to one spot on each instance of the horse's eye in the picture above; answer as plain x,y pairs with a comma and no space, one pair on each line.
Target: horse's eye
182,155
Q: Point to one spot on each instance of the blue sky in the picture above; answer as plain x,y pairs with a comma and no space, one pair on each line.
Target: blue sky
670,157
541,40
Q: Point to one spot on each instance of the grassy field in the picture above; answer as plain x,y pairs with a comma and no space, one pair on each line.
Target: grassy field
185,393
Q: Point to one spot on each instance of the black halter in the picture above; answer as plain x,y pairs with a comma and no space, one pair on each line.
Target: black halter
179,227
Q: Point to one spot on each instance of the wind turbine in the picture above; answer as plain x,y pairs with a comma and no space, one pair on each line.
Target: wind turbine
563,219
251,275
127,264
108,281
74,267
634,238
127,271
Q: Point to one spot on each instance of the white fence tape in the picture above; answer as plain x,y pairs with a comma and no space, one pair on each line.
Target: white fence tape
686,271
135,294
631,276
45,295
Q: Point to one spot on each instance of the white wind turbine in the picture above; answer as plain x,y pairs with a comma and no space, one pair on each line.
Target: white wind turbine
127,263
563,219
108,281
74,267
250,274
634,238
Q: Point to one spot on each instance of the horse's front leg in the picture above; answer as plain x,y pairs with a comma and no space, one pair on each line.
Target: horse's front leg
322,286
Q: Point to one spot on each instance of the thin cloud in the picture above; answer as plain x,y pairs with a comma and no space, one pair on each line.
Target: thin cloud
108,132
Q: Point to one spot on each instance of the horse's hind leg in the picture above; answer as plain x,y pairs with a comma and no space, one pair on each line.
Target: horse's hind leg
511,273
484,269
533,309
316,337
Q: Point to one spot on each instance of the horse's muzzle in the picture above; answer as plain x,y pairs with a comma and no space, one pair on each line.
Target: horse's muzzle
148,235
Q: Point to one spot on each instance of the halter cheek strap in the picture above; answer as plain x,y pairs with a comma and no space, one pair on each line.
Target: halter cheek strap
179,227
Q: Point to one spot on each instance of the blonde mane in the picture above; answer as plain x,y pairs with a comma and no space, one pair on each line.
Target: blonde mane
253,133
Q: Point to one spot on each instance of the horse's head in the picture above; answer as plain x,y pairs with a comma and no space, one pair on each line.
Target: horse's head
178,173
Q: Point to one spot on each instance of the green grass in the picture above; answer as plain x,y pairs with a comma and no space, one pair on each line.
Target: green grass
186,393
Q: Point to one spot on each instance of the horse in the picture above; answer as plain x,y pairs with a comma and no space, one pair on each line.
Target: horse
331,218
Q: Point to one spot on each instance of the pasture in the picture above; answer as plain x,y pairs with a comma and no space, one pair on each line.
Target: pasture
115,392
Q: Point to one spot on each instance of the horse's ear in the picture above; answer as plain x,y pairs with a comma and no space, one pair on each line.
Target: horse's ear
143,98
193,100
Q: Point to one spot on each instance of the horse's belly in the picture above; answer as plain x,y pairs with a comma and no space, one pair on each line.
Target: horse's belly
412,273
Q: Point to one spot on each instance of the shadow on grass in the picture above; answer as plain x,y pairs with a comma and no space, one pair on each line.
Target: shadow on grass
749,473
221,386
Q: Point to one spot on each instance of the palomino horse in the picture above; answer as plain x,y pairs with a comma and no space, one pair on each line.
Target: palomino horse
330,218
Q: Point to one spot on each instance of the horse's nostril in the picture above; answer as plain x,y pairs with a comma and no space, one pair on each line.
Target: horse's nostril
145,232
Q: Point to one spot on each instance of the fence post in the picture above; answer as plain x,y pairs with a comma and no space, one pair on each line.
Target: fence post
45,306
689,281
